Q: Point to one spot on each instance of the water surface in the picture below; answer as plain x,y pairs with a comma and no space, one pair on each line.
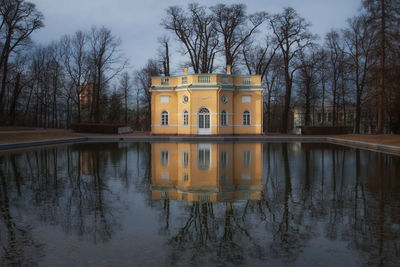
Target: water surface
161,204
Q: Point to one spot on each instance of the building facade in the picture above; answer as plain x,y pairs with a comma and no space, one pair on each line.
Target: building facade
325,117
209,104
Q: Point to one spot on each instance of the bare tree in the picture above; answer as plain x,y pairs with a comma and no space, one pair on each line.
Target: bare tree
125,88
359,47
336,63
164,54
307,81
292,35
106,62
384,16
235,27
18,20
195,29
323,78
75,59
143,83
258,57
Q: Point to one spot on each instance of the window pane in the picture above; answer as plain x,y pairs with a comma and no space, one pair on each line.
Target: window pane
207,121
201,121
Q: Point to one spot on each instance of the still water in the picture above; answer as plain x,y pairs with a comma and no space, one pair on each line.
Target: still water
224,204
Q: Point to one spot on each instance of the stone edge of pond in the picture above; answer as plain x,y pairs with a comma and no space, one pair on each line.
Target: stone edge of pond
390,149
46,142
352,143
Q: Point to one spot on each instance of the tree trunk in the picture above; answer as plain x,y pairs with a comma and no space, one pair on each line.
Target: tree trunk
381,102
288,94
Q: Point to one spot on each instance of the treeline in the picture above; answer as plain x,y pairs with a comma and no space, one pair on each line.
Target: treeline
83,76
353,68
77,78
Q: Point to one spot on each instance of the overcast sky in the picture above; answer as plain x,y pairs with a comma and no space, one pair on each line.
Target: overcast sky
137,23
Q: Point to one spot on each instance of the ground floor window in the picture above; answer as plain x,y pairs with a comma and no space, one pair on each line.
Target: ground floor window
185,118
246,117
164,118
224,118
204,118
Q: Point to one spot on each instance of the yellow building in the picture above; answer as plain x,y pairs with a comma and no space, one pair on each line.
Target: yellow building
194,172
211,104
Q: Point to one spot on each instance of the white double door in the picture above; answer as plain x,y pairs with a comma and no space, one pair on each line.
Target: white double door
204,124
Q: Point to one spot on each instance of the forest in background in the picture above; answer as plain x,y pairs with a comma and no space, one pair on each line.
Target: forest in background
353,68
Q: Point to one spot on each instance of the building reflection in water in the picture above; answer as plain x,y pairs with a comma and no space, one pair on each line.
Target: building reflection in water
192,172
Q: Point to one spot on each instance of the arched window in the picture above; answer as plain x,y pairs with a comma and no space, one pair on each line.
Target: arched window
224,119
185,117
164,117
246,117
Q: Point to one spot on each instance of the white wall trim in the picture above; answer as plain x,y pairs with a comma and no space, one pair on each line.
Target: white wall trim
249,90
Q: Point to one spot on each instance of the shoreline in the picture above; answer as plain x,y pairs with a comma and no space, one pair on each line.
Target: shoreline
338,140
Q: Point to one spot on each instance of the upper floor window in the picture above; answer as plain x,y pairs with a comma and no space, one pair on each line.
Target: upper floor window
246,99
246,80
246,117
224,79
164,117
164,99
164,81
184,80
224,119
204,79
185,118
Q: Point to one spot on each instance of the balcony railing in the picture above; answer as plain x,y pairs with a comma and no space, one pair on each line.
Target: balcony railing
204,79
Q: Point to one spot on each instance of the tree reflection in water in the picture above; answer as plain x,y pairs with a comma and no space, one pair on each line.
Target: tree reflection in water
18,247
334,203
310,192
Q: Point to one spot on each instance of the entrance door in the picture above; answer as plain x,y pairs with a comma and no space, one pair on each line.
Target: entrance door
204,121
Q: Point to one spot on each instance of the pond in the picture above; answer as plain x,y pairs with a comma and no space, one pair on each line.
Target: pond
203,204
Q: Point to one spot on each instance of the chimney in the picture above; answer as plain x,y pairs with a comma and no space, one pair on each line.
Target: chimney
228,69
185,70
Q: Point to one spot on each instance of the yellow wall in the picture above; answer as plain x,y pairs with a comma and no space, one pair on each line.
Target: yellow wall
216,181
255,108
